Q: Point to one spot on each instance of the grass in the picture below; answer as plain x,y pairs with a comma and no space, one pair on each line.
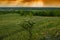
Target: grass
46,28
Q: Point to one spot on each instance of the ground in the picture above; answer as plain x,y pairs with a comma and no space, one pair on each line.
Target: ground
45,28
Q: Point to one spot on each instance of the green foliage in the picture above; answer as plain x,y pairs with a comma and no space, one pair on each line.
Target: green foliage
16,27
34,12
28,25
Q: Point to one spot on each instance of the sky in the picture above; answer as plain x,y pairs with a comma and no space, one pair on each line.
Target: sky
29,3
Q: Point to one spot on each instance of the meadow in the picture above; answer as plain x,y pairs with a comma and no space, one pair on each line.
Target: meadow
30,25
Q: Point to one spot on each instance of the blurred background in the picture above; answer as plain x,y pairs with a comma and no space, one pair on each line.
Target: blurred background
29,3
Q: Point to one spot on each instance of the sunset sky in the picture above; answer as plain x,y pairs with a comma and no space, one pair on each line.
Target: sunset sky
29,3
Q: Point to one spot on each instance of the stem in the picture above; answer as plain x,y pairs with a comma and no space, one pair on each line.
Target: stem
30,35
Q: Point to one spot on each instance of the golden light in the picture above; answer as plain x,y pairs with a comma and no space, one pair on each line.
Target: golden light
21,3
32,3
51,3
38,3
29,3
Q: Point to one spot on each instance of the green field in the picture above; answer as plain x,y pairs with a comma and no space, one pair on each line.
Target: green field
45,28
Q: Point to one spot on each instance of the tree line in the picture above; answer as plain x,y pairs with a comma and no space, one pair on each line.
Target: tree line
34,12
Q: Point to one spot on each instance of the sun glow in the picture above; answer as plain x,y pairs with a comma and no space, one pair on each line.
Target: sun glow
29,3
37,4
21,3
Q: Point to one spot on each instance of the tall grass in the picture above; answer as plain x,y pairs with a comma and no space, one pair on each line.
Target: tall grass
45,28
13,26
